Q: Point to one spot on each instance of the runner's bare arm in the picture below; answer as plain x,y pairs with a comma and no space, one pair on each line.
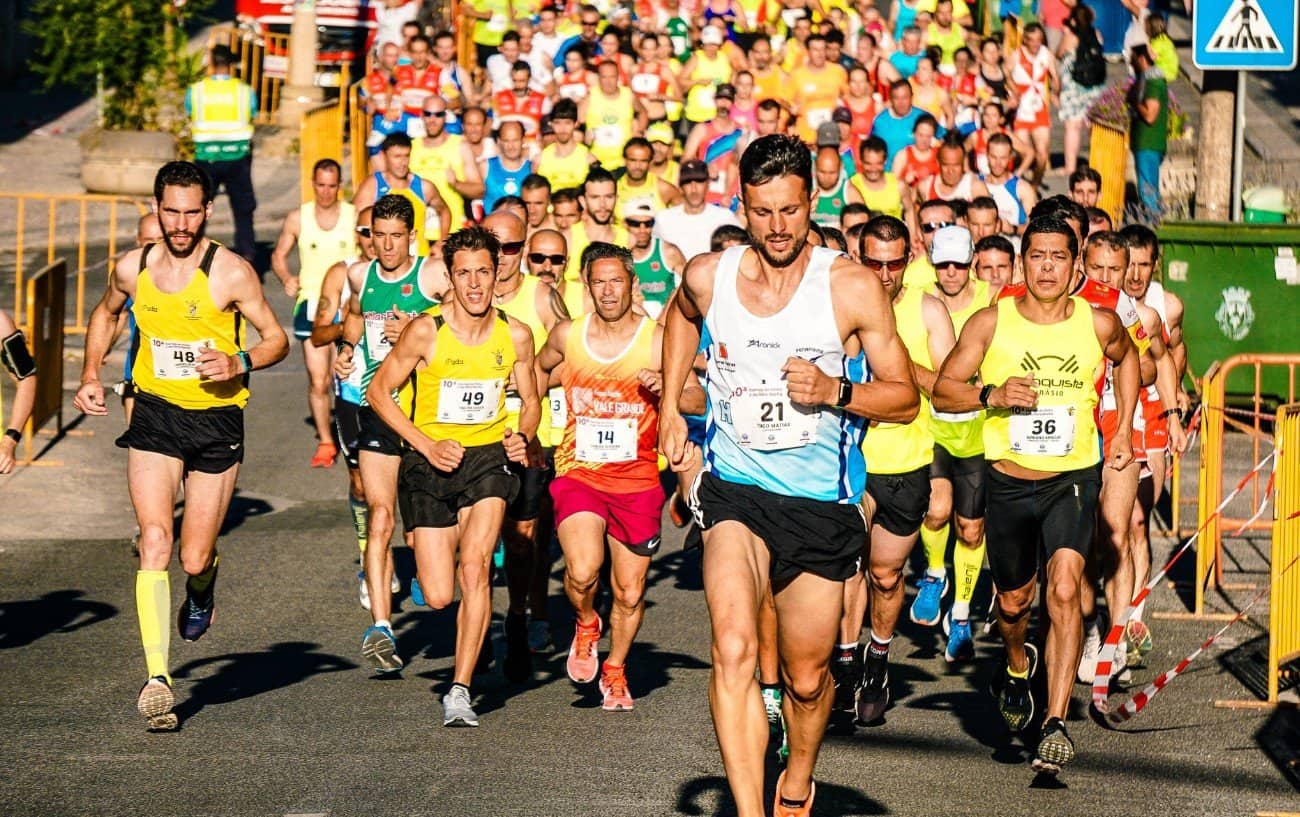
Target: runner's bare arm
550,306
366,193
438,204
862,309
1119,349
283,246
940,339
683,317
24,400
324,328
99,332
530,415
551,356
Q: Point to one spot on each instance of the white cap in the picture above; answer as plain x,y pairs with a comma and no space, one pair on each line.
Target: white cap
951,244
711,35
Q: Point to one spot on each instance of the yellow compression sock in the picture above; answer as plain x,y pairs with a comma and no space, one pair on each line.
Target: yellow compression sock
935,542
967,563
153,601
360,520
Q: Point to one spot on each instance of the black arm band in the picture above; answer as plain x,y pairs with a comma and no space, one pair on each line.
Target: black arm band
16,358
14,434
984,395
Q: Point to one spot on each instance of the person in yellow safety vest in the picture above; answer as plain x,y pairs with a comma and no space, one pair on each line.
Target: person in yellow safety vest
221,109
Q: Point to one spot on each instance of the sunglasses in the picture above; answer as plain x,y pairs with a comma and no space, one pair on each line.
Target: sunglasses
876,265
539,258
935,225
436,114
591,24
639,223
512,247
956,264
364,232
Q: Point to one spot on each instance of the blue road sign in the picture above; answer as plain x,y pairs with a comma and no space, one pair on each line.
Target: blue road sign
1244,35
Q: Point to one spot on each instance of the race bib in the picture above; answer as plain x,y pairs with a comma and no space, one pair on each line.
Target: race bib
497,23
468,402
645,84
766,420
609,136
818,117
1046,431
718,185
574,91
176,359
704,96
559,407
377,346
605,439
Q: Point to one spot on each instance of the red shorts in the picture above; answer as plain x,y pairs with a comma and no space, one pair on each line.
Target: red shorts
1108,424
1156,436
633,519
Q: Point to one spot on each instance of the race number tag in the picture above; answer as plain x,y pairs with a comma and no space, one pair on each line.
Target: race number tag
468,402
819,116
704,96
559,407
645,84
377,346
605,440
176,359
608,136
497,23
1046,431
766,420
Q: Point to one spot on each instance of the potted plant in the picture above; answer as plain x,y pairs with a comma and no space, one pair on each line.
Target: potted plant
1108,152
133,55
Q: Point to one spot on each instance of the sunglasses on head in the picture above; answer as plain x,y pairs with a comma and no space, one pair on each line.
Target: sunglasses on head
511,247
875,264
639,223
935,225
364,232
539,258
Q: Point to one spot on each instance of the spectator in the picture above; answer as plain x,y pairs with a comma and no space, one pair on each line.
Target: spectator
691,223
391,16
221,110
491,21
1148,137
1085,186
1162,47
1081,81
500,64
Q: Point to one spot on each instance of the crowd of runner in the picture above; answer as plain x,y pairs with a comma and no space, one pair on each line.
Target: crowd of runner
792,291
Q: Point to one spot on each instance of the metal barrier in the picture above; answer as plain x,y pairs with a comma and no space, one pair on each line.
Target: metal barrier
262,58
1284,581
358,125
322,138
46,293
1216,416
112,217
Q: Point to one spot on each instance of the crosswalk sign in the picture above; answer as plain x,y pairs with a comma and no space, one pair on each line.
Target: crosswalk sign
1244,35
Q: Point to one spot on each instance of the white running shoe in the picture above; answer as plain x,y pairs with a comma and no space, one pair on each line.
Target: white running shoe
1091,651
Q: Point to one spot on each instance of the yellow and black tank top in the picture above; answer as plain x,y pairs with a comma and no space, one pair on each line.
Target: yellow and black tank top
962,434
896,448
173,330
461,394
1067,363
319,249
523,308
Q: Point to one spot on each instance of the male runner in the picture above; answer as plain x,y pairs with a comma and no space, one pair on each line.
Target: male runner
383,295
455,476
607,487
995,262
189,297
898,458
323,231
659,264
599,198
398,178
1041,356
778,499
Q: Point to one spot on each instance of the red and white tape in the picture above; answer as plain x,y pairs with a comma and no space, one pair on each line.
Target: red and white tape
1268,494
1106,659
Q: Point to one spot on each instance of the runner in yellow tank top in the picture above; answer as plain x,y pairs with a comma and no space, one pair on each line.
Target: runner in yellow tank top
323,230
1041,356
882,192
707,68
609,113
190,297
455,481
898,476
527,545
566,161
599,195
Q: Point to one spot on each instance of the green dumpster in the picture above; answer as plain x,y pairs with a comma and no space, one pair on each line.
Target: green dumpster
1265,205
1241,290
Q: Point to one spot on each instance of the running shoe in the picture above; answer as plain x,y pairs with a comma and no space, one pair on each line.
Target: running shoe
380,648
539,635
873,693
324,456
1055,749
583,664
961,643
155,702
613,688
1091,651
456,708
786,808
1119,666
1139,639
193,620
925,607
519,658
991,618
394,584
417,593
775,720
1015,701
363,592
846,672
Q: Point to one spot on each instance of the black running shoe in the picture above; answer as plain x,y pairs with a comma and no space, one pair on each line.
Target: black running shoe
1015,701
193,620
1055,749
519,658
846,671
873,693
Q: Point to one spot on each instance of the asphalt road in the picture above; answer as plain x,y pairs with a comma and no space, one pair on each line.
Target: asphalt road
279,717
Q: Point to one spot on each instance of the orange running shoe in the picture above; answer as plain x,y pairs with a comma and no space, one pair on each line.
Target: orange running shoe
677,510
785,808
613,686
324,456
583,664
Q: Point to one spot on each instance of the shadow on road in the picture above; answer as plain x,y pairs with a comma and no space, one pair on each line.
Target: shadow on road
59,611
247,674
242,508
710,795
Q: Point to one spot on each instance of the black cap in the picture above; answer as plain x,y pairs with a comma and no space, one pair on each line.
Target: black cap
725,91
842,114
693,170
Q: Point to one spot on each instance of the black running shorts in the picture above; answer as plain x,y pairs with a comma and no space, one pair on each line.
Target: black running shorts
802,535
532,492
347,428
967,477
1036,518
901,500
209,441
429,498
376,436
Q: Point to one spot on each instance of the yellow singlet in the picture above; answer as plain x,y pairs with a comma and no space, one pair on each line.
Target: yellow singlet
461,394
523,308
1067,361
578,242
609,121
699,100
564,171
173,329
884,201
432,164
421,218
962,434
647,192
893,448
318,249
919,274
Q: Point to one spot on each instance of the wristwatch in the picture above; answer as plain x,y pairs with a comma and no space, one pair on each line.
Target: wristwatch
984,395
846,393
14,434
